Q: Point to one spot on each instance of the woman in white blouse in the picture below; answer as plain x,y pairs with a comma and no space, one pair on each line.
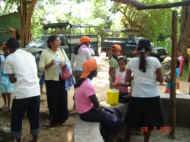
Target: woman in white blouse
144,106
51,62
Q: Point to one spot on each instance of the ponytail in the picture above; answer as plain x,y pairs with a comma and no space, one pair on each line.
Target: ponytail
144,47
142,62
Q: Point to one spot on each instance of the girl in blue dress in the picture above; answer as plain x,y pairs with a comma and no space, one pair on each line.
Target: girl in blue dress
6,87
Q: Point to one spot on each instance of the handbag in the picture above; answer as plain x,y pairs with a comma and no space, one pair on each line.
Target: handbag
65,73
113,116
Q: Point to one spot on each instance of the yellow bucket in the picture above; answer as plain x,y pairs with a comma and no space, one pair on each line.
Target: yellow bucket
113,97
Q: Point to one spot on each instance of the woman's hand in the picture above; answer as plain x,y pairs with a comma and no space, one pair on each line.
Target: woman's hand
63,65
12,78
159,76
94,100
115,84
50,64
100,108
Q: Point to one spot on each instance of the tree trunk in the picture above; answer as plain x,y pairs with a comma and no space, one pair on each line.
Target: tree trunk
184,41
26,11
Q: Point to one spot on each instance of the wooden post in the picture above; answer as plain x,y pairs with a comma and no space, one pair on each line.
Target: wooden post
173,75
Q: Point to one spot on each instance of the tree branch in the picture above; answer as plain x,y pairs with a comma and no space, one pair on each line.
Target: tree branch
134,3
167,5
141,6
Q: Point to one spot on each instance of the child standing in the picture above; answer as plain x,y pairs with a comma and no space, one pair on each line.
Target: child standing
6,87
120,79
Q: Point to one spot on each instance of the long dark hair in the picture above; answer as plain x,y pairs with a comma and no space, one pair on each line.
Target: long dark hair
51,39
144,47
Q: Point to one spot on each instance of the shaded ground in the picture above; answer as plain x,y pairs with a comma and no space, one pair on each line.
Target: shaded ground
59,134
65,133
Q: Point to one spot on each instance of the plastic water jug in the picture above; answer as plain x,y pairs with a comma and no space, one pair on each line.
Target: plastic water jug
112,96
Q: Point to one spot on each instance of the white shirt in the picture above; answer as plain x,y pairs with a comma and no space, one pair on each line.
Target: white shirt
120,76
144,83
84,54
23,65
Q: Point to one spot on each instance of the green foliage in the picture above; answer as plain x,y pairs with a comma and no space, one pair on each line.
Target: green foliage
10,6
152,24
37,27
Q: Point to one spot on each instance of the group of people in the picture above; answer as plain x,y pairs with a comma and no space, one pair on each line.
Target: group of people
138,79
20,70
117,73
141,74
19,76
135,80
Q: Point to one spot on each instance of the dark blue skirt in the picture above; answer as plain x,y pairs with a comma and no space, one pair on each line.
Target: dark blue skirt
144,112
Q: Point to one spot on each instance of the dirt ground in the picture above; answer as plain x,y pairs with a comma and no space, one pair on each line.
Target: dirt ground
62,133
65,133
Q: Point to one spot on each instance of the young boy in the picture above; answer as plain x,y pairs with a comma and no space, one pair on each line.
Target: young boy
113,64
120,79
22,70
